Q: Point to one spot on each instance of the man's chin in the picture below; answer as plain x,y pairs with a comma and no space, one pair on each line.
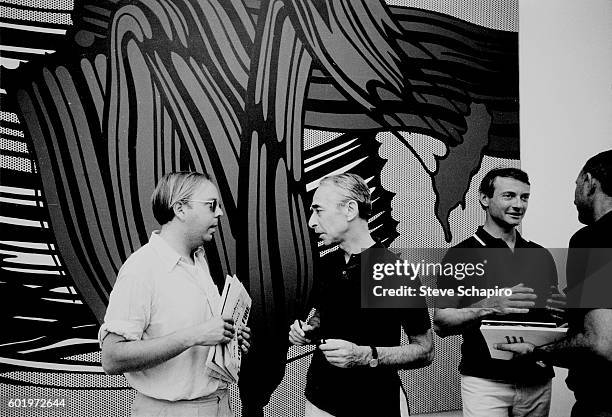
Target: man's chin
328,241
324,239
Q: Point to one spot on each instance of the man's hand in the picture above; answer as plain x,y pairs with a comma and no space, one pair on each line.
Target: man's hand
519,349
298,333
521,300
344,354
557,304
215,331
244,337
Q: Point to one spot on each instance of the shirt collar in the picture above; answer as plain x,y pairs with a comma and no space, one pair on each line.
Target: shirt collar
356,257
168,256
493,242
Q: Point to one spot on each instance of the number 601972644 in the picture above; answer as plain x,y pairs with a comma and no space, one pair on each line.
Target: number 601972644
36,402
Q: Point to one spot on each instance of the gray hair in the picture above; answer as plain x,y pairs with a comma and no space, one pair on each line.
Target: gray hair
354,188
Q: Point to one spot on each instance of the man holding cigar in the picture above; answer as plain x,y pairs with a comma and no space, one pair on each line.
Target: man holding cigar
354,369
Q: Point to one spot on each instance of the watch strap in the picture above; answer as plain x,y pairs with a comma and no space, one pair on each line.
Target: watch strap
374,352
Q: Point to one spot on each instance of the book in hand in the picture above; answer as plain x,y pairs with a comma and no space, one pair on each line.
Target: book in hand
223,361
536,333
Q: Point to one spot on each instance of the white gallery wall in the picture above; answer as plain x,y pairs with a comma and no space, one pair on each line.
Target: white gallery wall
565,54
565,57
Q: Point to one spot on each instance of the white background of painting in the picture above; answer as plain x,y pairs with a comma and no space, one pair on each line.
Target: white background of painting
565,58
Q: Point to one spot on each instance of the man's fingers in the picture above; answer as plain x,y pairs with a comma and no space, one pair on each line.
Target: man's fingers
330,344
520,304
554,304
513,310
522,288
333,344
522,296
559,296
297,333
334,353
517,348
297,327
296,339
307,327
510,347
503,346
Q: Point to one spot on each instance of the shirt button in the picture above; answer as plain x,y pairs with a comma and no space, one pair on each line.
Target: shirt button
344,274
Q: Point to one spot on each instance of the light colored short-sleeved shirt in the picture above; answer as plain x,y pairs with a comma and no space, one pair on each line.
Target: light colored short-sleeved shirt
157,293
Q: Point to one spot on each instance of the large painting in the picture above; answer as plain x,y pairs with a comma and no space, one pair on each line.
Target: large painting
101,98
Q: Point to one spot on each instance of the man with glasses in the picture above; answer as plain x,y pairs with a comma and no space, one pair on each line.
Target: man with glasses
160,322
353,371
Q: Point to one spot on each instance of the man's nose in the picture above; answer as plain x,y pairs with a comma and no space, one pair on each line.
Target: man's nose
312,223
519,204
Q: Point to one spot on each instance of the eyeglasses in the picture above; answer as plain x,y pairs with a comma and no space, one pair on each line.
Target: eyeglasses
213,203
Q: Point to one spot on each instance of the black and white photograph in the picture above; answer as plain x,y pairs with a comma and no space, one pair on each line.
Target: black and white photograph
306,208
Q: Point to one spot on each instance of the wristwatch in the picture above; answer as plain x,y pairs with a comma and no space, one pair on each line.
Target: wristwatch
374,361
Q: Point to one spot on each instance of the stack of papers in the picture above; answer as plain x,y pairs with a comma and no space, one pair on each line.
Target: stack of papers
535,333
223,361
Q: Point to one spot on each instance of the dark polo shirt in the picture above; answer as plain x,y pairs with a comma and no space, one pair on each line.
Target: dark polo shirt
358,391
529,264
589,377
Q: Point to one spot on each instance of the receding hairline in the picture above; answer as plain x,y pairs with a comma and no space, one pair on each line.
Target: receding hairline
509,178
331,184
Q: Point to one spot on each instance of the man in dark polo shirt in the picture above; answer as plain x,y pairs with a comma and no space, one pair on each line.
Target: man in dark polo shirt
587,349
354,370
494,387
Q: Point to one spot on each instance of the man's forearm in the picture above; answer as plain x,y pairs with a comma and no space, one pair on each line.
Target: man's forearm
566,352
120,355
417,354
594,340
453,321
404,357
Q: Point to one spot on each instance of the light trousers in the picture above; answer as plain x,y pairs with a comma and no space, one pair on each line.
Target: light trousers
214,405
487,398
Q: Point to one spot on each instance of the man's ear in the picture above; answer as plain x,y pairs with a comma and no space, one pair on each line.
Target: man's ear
179,210
352,209
484,200
592,183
